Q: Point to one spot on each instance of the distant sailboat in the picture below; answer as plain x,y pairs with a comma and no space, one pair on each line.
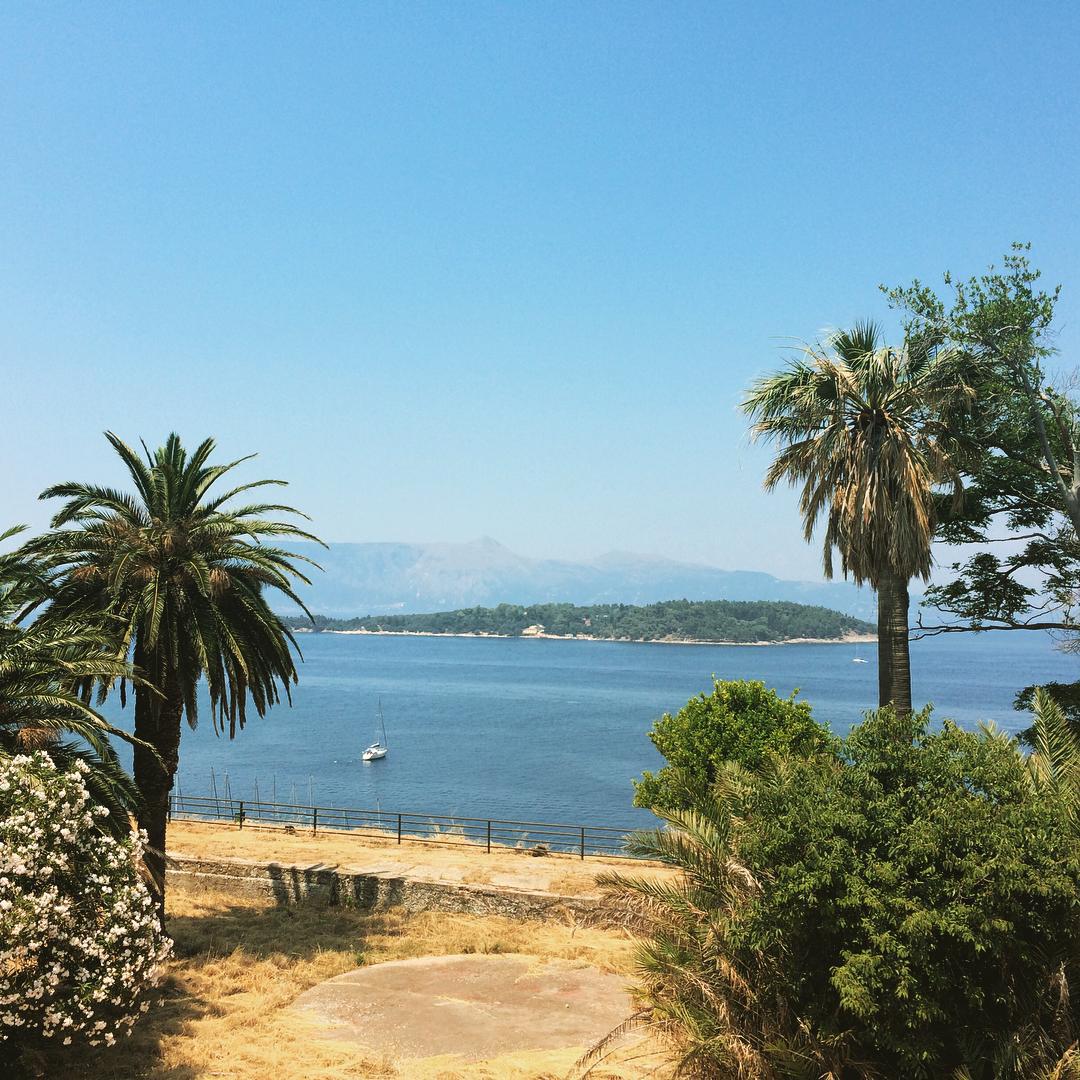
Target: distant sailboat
379,748
857,659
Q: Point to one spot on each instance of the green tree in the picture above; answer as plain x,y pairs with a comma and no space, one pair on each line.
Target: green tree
1019,450
739,721
865,429
1020,458
907,906
41,668
181,574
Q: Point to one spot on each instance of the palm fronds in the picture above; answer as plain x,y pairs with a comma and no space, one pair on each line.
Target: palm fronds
180,575
698,994
863,429
46,671
1055,758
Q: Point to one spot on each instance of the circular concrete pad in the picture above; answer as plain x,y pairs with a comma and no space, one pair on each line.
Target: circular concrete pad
475,1006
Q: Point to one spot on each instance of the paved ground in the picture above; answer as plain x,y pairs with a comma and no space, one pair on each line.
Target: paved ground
475,1006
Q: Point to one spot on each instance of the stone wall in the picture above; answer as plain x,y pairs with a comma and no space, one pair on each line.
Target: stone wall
329,885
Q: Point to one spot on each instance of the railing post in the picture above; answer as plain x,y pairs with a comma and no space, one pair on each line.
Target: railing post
241,813
489,838
314,819
583,841
399,828
169,814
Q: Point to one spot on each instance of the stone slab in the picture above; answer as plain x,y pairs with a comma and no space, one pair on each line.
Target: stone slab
476,1006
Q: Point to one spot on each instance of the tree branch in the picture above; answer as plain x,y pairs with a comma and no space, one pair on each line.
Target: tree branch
1072,508
921,631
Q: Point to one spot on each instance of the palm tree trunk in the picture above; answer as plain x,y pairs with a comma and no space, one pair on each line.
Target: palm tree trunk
894,662
157,722
885,602
900,658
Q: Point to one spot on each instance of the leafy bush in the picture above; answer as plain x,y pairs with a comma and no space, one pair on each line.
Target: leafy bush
907,906
79,936
739,721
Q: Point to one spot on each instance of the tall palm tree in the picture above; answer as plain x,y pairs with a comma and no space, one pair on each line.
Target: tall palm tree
41,668
182,574
866,430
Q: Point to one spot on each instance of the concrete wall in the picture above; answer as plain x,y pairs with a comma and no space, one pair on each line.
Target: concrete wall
328,885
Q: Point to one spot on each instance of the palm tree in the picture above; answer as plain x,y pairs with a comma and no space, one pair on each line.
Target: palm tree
719,1009
41,668
866,430
182,575
1054,762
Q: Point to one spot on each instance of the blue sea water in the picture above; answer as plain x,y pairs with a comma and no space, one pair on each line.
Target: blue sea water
548,730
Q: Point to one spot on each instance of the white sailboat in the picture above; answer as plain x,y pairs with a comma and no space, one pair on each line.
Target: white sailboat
857,659
377,749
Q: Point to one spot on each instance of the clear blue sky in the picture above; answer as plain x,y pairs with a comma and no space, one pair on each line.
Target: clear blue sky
457,269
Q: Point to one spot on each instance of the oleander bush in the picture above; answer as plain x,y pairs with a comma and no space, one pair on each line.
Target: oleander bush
80,942
905,905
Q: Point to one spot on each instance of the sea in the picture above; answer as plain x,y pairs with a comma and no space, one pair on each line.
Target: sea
553,730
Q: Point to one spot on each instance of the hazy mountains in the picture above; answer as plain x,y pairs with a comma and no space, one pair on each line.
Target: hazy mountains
373,579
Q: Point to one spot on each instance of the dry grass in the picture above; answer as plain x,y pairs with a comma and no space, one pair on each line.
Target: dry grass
239,964
505,867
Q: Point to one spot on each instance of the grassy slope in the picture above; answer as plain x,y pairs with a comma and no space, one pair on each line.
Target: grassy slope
239,964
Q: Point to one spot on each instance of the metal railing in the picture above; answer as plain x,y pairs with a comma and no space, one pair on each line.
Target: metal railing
487,833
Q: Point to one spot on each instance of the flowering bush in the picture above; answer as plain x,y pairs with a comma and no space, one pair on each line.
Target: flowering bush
79,937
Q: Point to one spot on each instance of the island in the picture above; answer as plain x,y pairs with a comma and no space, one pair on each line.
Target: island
736,622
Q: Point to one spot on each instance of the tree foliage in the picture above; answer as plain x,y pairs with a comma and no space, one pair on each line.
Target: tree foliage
1019,451
742,722
671,620
42,667
865,432
908,905
180,572
1066,696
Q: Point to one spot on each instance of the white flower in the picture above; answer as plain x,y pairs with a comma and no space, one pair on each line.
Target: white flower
78,942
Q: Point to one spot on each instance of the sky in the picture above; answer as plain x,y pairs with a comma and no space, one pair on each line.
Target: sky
474,269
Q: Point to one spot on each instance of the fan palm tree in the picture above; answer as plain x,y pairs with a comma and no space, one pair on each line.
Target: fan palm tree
866,430
41,668
181,572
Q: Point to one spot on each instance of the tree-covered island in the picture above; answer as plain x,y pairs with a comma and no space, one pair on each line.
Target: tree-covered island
743,622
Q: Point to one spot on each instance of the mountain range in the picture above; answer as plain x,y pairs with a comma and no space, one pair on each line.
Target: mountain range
389,578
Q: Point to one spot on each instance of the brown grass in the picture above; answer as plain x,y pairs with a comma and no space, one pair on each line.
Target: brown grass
239,964
459,862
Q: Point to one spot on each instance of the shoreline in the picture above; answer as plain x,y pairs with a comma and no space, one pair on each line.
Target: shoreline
848,639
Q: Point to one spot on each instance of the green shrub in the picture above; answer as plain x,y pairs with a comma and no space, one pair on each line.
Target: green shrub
908,906
739,721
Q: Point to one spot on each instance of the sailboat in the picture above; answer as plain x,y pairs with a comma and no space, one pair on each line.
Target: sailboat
379,748
857,659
